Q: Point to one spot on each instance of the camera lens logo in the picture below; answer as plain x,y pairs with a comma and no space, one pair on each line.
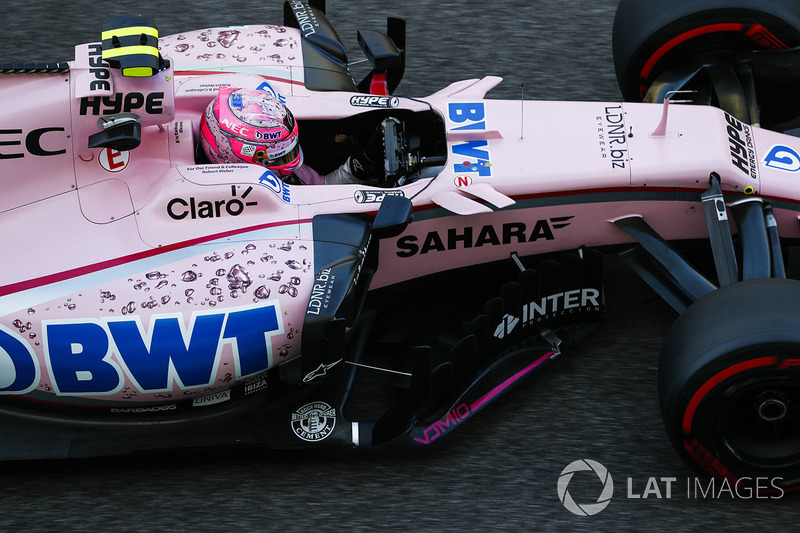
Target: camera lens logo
585,509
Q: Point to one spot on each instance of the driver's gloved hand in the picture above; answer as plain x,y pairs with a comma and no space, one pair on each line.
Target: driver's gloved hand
366,164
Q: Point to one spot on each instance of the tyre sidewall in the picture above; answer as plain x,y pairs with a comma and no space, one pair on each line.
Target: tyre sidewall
744,335
642,27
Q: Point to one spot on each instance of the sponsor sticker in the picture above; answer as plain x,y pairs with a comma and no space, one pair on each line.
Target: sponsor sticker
374,101
113,160
271,181
474,237
314,421
32,140
212,399
472,158
98,357
741,146
612,138
782,157
193,208
374,197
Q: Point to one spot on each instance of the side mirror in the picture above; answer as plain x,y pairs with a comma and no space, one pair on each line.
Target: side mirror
393,217
381,51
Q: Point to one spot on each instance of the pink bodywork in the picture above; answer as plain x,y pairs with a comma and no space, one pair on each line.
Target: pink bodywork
97,236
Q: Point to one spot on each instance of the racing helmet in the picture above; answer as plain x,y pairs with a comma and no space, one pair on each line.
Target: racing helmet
249,126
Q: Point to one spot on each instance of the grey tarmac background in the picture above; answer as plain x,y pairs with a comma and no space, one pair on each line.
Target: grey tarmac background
497,472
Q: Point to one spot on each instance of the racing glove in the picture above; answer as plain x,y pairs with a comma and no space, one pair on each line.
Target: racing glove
366,165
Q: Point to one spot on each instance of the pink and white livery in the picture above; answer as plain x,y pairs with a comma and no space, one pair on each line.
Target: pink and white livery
172,293
250,127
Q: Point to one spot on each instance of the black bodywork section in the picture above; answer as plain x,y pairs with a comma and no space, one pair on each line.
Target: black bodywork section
325,56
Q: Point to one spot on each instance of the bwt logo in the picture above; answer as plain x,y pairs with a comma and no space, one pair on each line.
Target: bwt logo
472,157
783,158
585,509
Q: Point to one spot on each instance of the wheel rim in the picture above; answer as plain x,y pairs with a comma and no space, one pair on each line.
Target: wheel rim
759,423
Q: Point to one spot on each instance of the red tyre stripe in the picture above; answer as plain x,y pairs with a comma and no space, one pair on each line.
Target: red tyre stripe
675,41
758,33
713,382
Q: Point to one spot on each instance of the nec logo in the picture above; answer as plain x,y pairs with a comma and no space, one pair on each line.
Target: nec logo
374,101
33,142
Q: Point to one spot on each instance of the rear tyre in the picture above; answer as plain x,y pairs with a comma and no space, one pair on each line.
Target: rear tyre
654,36
729,384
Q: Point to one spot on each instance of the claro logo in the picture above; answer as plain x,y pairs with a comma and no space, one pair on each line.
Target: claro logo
181,208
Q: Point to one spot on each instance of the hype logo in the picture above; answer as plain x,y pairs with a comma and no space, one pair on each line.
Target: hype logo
783,158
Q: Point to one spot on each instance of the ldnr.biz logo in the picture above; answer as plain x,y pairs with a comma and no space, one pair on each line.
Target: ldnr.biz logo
585,509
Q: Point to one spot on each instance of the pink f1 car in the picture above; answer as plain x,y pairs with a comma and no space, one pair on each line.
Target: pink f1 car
169,302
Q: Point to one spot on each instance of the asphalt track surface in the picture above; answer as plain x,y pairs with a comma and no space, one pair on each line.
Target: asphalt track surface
497,472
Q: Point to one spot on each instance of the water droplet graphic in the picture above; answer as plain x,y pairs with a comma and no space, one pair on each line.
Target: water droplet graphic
262,292
188,276
226,38
239,278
